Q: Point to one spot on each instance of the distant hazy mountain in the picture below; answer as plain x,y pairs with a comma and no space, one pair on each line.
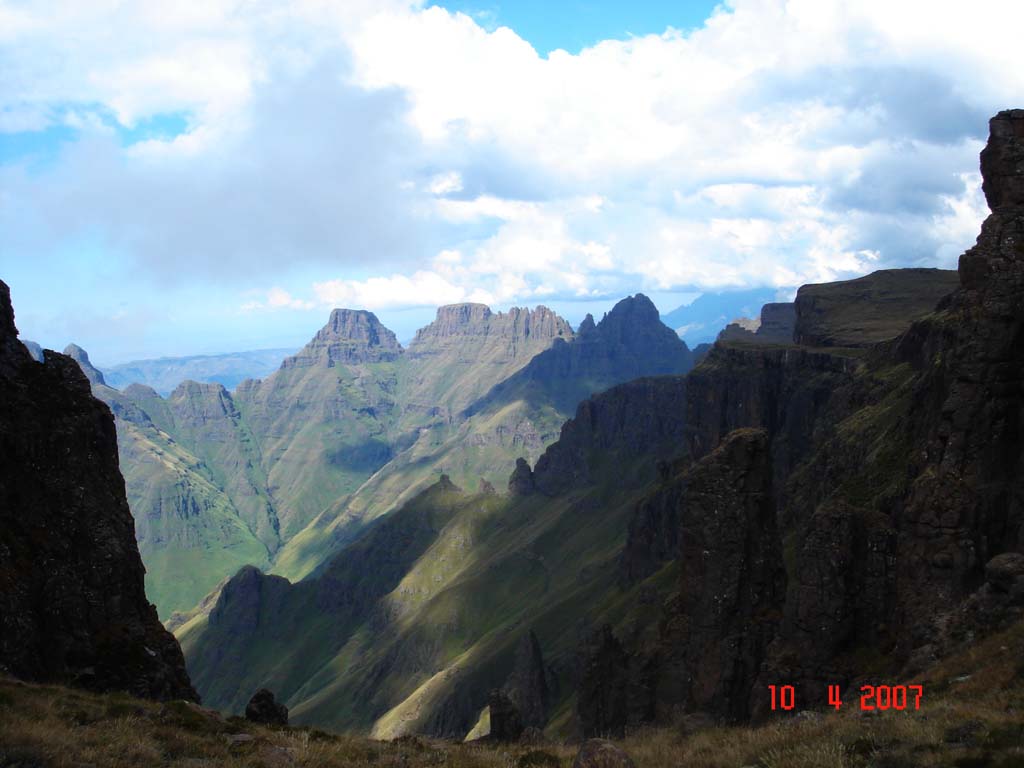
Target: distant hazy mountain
701,320
165,373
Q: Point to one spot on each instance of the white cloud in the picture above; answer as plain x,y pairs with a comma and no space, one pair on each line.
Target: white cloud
422,289
783,142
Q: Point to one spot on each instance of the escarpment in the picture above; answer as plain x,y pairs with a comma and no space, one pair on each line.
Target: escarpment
892,442
73,607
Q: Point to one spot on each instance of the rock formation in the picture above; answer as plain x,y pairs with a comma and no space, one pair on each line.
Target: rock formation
527,686
601,703
73,607
521,482
506,721
264,708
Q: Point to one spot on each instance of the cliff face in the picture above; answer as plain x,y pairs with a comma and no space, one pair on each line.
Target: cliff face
870,309
891,481
72,603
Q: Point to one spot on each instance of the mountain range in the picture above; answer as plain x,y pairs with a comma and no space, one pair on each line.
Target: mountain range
836,508
283,471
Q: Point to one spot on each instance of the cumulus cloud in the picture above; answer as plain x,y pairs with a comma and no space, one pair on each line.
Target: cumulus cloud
403,156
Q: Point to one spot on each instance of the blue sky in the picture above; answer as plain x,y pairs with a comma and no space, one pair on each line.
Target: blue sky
572,25
215,175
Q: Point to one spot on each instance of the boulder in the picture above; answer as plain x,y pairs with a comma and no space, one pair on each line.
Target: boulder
601,753
1005,573
264,708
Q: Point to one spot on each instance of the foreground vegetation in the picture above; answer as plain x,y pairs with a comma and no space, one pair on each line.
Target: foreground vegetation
972,716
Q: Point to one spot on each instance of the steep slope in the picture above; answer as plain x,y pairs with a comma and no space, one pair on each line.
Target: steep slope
826,514
897,479
478,390
408,628
165,373
190,533
72,602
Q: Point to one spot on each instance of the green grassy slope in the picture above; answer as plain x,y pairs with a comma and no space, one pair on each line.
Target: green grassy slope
407,628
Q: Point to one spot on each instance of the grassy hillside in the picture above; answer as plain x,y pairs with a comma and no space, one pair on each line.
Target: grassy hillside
969,717
409,627
291,469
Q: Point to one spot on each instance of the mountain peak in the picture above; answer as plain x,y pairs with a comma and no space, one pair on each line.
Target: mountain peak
461,321
81,357
632,318
1002,160
350,336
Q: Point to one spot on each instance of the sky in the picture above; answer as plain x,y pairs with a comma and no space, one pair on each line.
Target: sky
215,175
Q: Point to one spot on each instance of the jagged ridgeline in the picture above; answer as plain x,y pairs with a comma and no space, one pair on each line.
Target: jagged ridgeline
283,472
843,504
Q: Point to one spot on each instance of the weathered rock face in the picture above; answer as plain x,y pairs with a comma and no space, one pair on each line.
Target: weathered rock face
733,580
870,309
73,607
264,708
350,336
1002,160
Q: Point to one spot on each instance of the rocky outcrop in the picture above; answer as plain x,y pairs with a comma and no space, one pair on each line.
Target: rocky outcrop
601,696
506,721
1002,161
73,607
527,686
350,337
870,309
264,708
521,482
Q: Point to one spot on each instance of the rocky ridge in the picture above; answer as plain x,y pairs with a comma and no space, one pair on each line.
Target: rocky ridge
890,484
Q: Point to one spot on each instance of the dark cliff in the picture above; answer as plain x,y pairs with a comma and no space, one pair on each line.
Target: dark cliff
72,603
890,483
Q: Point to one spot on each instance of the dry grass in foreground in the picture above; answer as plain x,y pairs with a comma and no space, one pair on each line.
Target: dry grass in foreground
972,716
